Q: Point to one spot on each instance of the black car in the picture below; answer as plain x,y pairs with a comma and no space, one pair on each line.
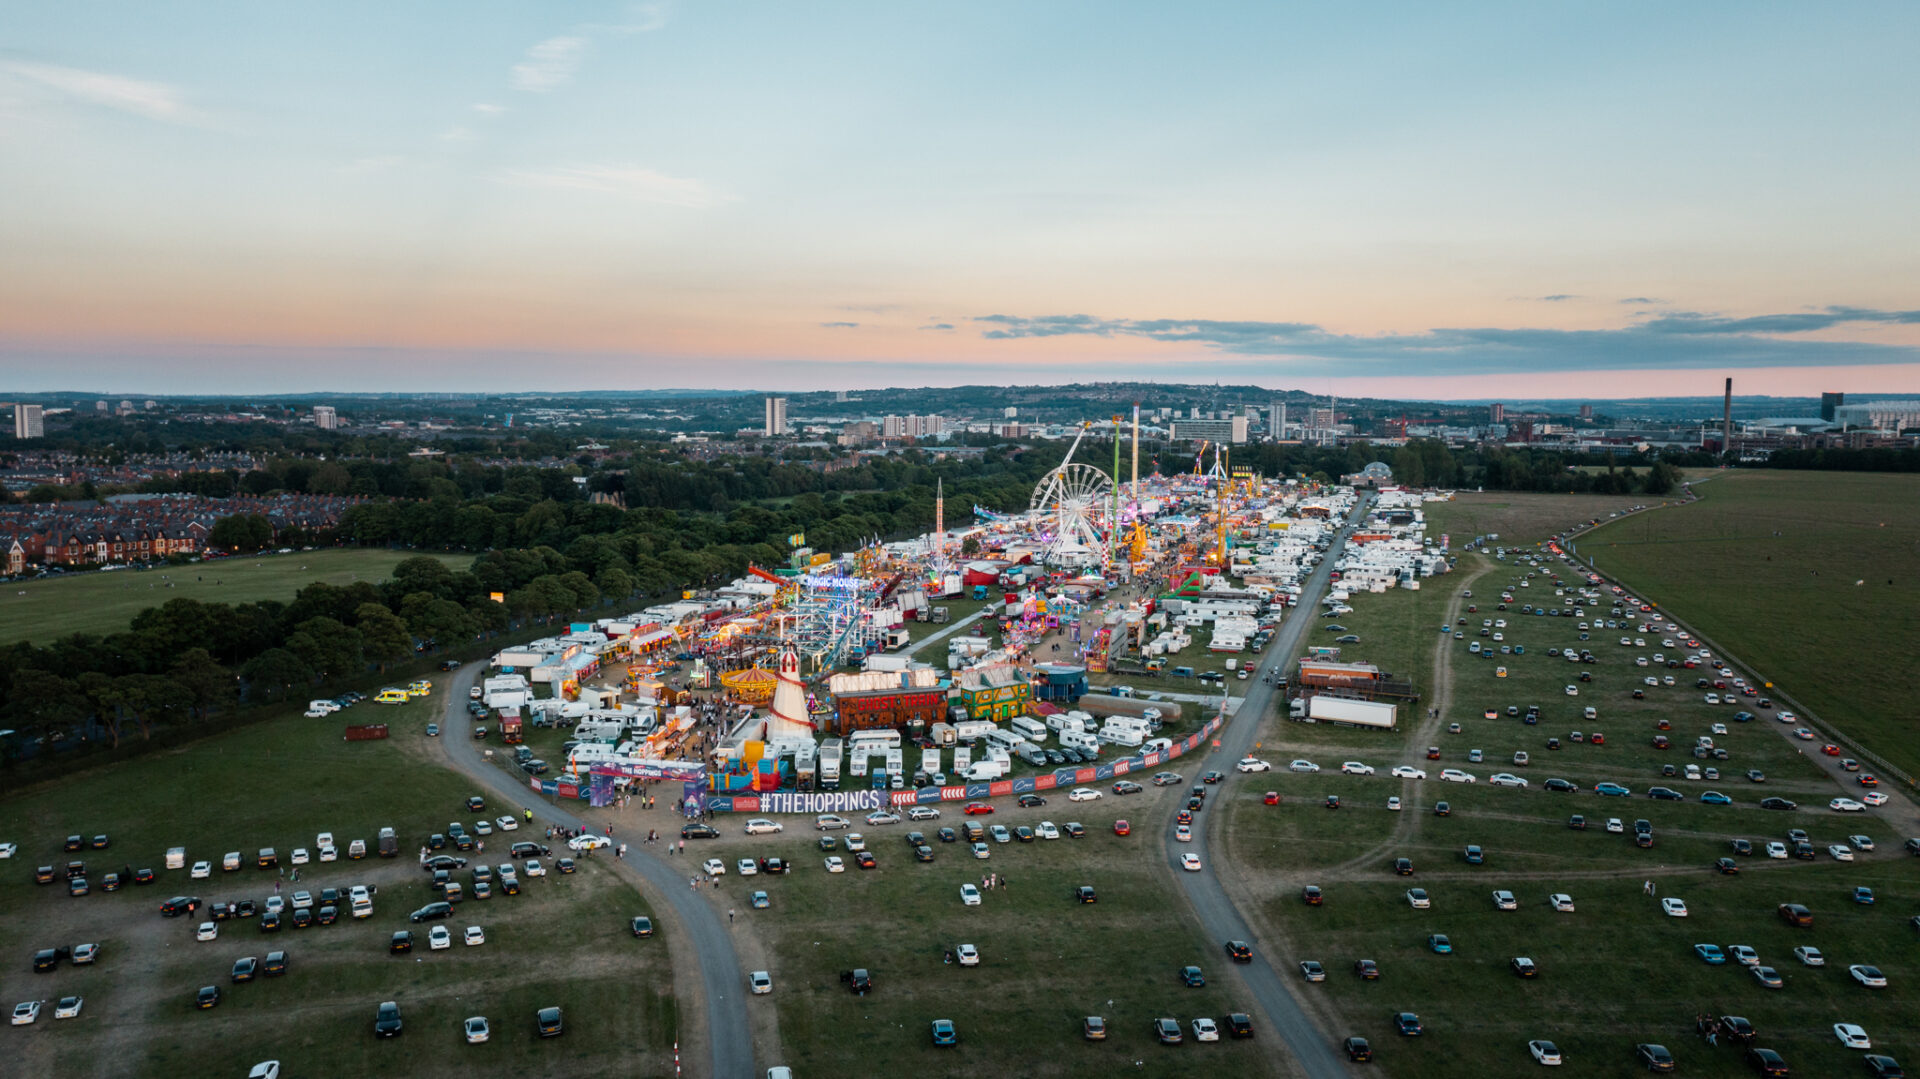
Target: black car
1654,1058
529,850
642,926
431,912
476,804
564,865
1239,951
1726,866
1767,1062
1032,800
275,965
1408,1024
1403,866
45,960
207,997
1666,794
1085,894
1239,1025
402,941
1358,1050
270,922
947,835
859,981
1883,1067
437,841
548,1021
1742,847
1778,803
143,876
1561,785
444,862
923,853
101,842
74,842
245,968
1213,777
699,831
180,904
1736,1028
386,1021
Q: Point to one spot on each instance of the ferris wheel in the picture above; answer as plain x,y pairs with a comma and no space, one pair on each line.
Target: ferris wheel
1073,503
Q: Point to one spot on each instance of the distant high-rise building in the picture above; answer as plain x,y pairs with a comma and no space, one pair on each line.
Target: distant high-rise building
102,406
1233,429
840,397
1829,402
1892,416
1586,412
1497,413
776,416
1010,412
911,426
325,418
1278,423
29,421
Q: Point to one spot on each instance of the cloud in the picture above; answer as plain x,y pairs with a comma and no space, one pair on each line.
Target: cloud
939,326
841,325
549,64
628,181
1683,341
488,108
137,97
457,133
1644,301
641,19
1558,297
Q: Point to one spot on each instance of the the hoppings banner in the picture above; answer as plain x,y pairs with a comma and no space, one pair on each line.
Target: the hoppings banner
861,800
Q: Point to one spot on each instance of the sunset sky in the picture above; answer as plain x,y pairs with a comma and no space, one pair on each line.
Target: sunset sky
1407,200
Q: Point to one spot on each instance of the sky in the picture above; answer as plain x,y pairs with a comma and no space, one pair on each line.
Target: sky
1422,200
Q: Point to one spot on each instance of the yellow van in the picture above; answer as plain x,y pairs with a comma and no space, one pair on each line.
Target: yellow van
420,688
391,696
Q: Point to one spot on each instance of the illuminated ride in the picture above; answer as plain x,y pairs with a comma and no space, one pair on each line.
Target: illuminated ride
1072,505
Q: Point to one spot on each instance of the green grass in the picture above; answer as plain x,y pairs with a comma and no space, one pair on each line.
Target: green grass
1519,518
1047,961
1788,603
41,610
563,941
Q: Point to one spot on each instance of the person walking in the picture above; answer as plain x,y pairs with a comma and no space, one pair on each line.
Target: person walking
729,916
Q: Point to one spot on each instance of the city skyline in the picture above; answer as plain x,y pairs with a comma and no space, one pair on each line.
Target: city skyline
1496,201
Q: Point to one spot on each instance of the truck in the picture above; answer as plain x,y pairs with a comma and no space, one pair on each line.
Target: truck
828,767
1102,704
510,726
389,843
366,732
939,614
979,592
983,771
1322,708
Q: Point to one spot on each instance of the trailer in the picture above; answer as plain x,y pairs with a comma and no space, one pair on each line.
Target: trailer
1325,709
510,726
1101,704
366,732
828,767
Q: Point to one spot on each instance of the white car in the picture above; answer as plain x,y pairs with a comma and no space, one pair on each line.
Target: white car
1861,842
506,823
1393,803
1744,955
1046,830
1544,1052
1303,766
1190,862
1205,1030
1408,771
1810,955
588,842
748,867
762,824
476,1029
969,955
1868,976
1455,775
1355,768
883,816
439,938
835,865
201,870
324,839
923,813
1183,833
760,982
329,853
474,935
7,850
276,905
483,826
1873,798
714,867
969,895
1573,690
300,856
1719,728
1506,779
207,931
25,1012
855,843
1851,1035
1776,849
1253,764
1418,899
1082,794
1504,900
68,1008
1845,805
1562,902
1675,908
535,869
1840,853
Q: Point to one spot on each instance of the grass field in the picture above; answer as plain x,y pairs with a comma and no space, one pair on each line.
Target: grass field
1617,971
41,610
1519,518
1766,564
563,941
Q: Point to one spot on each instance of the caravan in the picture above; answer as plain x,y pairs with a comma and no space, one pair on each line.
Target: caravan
1029,728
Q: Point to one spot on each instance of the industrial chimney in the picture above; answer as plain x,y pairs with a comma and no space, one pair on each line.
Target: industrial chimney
1726,420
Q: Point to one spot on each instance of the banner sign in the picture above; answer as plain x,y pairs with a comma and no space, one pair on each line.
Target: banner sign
864,800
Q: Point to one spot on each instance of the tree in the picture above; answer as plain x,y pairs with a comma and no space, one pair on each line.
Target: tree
384,638
241,531
970,547
271,674
204,685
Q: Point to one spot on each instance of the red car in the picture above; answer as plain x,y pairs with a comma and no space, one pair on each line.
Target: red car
1830,750
1597,738
1867,780
974,809
1433,753
1311,894
864,859
1121,827
1272,798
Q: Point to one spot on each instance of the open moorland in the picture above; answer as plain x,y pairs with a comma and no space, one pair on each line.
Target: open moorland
1811,577
41,610
564,940
1615,970
1519,518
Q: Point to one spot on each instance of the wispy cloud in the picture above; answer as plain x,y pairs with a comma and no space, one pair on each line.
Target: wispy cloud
549,64
1558,297
1644,301
488,108
841,325
938,326
641,19
627,181
457,133
1679,341
137,97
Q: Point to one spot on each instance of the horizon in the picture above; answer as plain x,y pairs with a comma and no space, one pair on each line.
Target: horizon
1491,203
